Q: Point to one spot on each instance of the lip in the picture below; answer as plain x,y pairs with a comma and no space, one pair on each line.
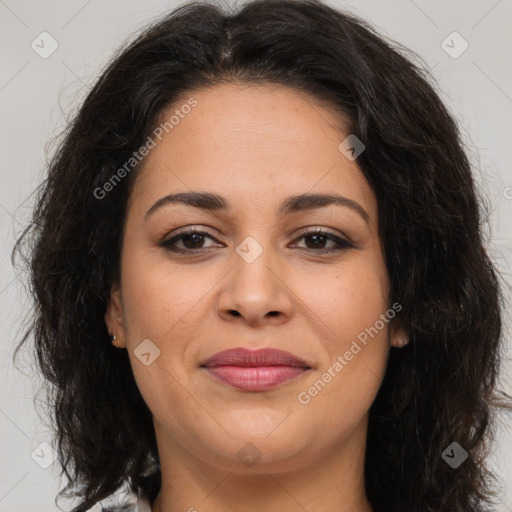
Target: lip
255,370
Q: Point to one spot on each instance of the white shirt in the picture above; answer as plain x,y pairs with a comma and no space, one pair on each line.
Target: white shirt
142,505
134,504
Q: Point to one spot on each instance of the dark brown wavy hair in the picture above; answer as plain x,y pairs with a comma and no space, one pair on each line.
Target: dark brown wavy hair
441,388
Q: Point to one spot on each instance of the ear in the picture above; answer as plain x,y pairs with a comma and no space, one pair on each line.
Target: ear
114,317
398,337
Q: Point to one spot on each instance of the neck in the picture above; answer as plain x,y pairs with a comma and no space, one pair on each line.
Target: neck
333,483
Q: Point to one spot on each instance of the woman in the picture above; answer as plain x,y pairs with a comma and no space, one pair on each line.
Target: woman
260,277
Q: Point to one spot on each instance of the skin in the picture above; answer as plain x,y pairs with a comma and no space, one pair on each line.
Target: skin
255,145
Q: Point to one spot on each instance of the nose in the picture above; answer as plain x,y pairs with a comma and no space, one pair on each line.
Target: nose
256,293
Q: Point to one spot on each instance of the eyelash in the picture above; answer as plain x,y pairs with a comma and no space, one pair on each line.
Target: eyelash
342,244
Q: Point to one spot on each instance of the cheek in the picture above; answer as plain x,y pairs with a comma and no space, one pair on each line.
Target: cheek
158,305
342,390
350,301
158,295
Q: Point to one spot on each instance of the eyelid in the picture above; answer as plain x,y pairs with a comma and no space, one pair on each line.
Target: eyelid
342,241
308,230
188,230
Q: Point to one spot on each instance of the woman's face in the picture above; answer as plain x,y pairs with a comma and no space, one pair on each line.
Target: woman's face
254,280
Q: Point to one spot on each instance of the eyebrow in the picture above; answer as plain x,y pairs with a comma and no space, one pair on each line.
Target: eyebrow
301,202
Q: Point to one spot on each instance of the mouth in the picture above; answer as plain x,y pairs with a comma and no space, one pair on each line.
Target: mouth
255,370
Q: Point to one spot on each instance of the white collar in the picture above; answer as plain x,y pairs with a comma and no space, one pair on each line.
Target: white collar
143,505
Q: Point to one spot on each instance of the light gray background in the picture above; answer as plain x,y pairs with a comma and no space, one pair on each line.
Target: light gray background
37,95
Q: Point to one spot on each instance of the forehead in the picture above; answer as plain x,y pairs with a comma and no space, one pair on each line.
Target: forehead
251,143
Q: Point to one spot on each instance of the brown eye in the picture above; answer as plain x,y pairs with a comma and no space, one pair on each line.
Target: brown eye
318,238
191,240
